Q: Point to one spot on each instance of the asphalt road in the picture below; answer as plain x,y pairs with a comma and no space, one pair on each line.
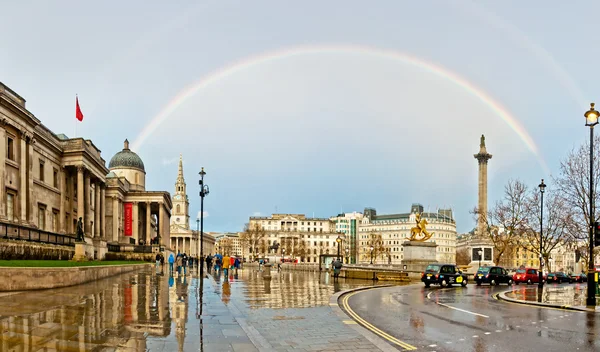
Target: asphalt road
469,319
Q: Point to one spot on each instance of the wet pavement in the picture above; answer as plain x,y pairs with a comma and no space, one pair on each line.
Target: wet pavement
471,319
148,312
573,295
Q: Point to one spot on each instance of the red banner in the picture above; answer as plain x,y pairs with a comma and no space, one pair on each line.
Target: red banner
128,218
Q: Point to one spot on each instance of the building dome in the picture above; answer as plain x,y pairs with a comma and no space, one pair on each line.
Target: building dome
126,159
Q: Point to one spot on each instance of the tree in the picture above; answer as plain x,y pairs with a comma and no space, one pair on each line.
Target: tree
252,236
573,184
225,245
463,257
302,250
379,248
507,220
556,221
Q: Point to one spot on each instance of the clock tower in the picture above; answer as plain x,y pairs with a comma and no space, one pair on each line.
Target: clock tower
180,215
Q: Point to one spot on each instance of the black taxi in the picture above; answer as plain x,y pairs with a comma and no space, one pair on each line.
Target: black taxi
443,275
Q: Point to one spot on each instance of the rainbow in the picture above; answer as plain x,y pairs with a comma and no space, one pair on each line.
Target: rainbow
295,51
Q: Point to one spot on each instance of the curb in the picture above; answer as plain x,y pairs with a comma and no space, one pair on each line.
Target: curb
380,343
502,296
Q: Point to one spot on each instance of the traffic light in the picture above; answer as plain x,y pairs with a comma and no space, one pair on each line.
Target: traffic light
596,234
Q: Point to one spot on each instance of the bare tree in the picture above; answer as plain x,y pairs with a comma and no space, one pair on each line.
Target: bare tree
252,236
573,184
379,248
507,220
556,221
225,245
463,257
302,250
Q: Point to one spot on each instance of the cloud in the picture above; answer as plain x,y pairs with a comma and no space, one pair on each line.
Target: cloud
170,161
205,214
256,213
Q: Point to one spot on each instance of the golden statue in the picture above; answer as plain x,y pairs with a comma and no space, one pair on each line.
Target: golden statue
420,230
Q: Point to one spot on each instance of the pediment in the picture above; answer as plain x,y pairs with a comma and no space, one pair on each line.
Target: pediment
179,229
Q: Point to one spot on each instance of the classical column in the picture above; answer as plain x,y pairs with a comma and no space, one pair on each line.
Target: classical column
159,225
97,210
136,225
482,158
3,165
32,199
115,219
103,211
23,181
148,226
63,194
81,195
87,219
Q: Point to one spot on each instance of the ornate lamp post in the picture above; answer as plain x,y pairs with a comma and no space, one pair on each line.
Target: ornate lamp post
283,255
480,252
542,187
372,254
339,242
200,259
203,193
591,120
347,255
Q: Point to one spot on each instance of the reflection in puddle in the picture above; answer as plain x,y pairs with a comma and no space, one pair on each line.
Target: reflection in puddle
145,312
567,294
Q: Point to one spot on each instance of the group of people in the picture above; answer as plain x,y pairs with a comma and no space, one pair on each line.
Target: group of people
220,262
179,263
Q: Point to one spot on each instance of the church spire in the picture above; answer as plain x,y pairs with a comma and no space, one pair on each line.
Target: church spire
180,184
180,173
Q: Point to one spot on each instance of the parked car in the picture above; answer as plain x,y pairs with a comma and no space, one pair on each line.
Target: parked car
493,275
527,275
581,277
561,277
443,275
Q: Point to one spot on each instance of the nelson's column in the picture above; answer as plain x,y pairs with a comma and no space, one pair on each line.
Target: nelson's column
481,247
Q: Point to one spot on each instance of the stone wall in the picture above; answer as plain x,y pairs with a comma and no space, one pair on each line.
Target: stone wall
23,250
20,279
146,257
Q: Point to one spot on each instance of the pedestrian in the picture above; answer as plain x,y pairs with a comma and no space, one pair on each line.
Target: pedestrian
236,264
162,264
171,261
157,261
218,263
226,261
178,263
260,264
209,260
337,266
184,262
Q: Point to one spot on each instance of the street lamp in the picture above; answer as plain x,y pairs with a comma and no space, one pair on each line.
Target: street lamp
347,255
283,255
480,252
372,254
339,242
203,193
591,119
200,260
542,187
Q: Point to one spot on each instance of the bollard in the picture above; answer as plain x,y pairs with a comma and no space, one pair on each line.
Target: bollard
267,271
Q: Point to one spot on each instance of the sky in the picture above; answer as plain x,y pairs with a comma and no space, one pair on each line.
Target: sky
313,107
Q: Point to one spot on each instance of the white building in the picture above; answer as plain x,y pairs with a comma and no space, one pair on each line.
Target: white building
302,238
229,244
395,229
348,224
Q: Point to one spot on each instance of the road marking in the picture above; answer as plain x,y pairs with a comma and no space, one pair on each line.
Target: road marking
451,307
349,322
371,327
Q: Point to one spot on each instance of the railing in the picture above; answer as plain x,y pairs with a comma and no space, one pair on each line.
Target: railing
142,249
113,247
129,248
18,232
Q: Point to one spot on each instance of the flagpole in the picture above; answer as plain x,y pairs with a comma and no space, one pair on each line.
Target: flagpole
75,120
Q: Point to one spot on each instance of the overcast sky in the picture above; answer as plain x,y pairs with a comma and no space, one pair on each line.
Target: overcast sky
312,106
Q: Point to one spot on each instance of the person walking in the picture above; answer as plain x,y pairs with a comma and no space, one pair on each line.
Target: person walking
178,263
171,261
337,267
209,260
157,261
226,261
184,261
162,264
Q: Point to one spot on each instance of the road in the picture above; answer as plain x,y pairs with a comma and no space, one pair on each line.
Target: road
468,319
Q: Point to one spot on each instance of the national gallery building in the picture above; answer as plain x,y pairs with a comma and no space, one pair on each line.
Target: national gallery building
49,181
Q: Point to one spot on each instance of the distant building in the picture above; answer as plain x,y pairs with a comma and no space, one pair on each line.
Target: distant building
229,243
394,229
348,224
301,237
183,239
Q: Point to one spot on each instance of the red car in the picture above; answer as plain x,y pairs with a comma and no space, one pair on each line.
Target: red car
527,275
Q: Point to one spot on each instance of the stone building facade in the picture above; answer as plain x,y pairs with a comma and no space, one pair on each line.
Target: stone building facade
394,230
183,239
48,181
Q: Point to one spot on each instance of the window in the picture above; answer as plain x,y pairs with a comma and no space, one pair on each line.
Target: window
55,220
10,149
137,179
55,178
41,171
178,209
10,206
42,217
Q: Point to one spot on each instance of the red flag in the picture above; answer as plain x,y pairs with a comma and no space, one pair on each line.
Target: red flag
78,113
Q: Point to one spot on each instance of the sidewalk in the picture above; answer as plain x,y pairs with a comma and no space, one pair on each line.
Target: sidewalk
571,297
232,324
